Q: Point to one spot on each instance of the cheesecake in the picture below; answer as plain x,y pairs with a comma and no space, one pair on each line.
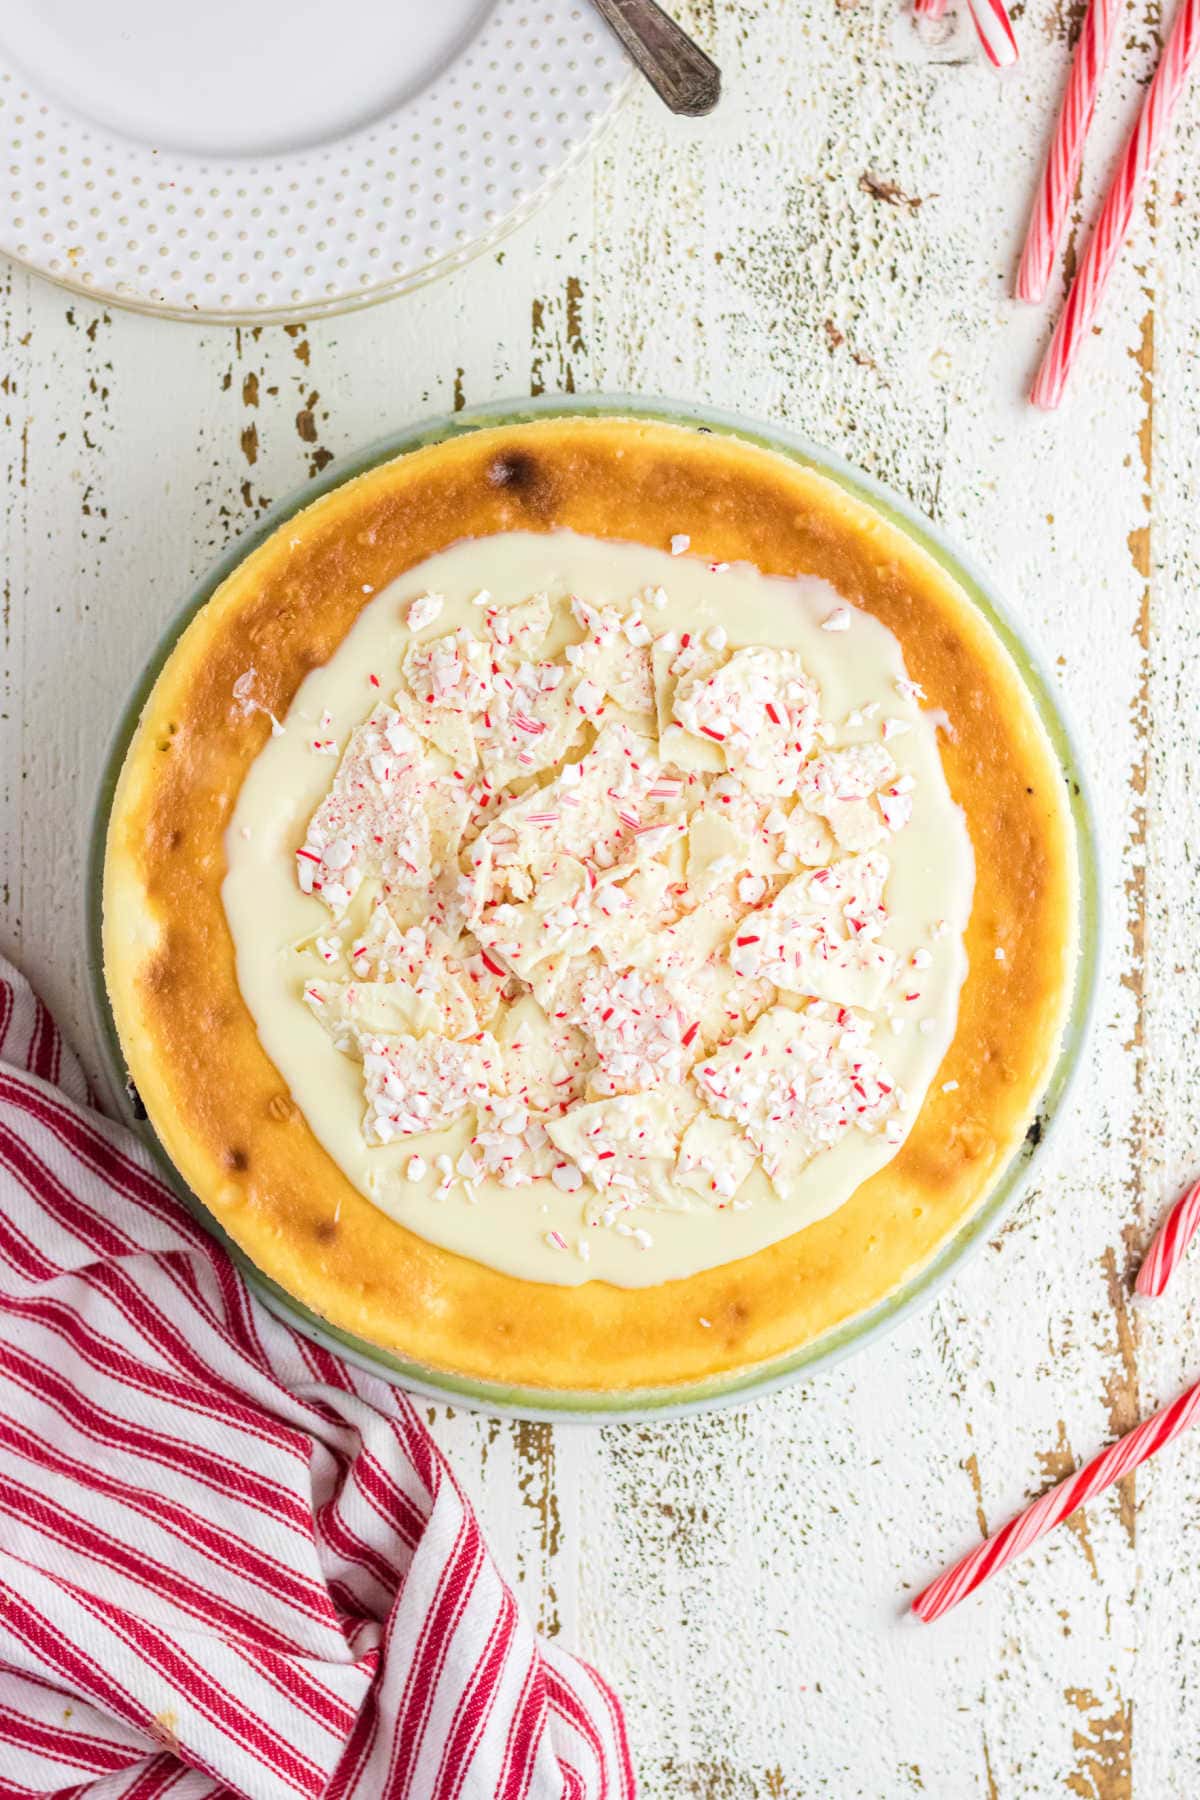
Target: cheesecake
590,906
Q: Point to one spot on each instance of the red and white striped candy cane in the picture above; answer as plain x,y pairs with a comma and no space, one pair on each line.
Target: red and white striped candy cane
995,32
1170,1241
1112,227
1134,1448
929,9
1049,217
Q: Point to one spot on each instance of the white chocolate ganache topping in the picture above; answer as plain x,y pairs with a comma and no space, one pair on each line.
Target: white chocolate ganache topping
602,908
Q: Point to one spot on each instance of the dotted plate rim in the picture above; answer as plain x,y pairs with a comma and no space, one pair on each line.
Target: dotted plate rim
183,236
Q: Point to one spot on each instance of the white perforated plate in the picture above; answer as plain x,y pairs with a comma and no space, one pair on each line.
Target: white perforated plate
285,158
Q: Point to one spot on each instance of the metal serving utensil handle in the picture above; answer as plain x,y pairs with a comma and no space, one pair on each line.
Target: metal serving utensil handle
677,69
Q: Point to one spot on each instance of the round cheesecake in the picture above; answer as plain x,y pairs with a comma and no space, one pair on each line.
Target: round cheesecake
589,905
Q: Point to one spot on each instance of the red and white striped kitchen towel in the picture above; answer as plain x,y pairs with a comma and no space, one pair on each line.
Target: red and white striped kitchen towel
229,1563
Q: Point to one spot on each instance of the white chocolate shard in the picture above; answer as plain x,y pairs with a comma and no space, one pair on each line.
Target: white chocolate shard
796,1084
419,1084
819,935
839,786
762,709
714,1159
614,654
626,1147
390,813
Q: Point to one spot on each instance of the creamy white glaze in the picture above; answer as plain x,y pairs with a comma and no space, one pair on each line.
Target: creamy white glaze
274,925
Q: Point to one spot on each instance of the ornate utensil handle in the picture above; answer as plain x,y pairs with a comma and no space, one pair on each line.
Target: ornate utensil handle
677,69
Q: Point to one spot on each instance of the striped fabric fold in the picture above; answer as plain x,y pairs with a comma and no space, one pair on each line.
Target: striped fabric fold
230,1564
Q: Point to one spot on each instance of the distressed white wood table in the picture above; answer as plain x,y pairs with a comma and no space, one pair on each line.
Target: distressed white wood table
833,249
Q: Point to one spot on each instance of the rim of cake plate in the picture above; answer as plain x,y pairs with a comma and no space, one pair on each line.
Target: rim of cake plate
643,1405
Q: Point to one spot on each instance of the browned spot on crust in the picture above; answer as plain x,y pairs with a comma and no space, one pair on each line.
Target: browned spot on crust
970,1138
511,469
237,1159
525,477
1103,1748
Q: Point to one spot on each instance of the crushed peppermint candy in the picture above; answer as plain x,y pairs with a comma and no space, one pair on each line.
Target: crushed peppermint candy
679,543
612,905
797,1083
424,611
896,809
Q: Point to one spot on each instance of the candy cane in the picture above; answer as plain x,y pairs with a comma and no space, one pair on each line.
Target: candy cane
1049,217
995,1552
1112,227
995,32
929,9
1170,1241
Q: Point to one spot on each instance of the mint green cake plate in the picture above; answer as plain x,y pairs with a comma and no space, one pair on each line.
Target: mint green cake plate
855,1334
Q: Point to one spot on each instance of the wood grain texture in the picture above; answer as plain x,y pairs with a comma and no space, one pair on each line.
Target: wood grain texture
833,249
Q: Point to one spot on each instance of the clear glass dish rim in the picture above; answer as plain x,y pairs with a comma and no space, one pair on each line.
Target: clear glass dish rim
651,1403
